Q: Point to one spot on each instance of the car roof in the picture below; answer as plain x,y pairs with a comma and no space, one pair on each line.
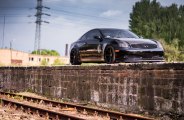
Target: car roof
109,29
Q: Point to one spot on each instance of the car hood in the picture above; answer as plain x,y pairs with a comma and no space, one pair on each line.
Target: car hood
136,40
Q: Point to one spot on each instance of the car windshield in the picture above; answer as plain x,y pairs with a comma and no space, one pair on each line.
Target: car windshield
108,33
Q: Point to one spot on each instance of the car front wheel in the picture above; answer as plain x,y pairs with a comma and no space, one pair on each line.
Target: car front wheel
109,55
74,58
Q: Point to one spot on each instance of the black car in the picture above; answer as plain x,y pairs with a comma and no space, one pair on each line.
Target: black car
114,45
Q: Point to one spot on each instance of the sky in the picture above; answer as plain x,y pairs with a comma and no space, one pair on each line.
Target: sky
69,20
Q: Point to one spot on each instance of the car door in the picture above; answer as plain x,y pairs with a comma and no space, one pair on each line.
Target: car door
91,50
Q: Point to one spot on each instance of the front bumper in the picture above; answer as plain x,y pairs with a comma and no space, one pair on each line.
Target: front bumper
140,55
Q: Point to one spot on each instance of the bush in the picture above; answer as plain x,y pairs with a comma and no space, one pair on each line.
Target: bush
172,52
44,62
58,62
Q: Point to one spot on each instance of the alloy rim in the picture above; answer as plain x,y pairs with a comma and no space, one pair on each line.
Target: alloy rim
109,55
72,58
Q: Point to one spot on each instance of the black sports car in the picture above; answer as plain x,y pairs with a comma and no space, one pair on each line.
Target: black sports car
114,45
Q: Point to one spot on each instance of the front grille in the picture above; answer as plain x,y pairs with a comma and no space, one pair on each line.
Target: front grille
144,46
148,54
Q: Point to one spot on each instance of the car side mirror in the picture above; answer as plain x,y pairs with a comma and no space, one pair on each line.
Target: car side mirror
98,37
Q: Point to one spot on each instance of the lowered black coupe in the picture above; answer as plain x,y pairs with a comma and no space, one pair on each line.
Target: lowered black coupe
114,45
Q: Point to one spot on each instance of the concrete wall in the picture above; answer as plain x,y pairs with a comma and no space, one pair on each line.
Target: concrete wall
155,88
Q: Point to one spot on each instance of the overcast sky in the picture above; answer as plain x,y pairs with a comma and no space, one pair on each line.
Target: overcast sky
68,21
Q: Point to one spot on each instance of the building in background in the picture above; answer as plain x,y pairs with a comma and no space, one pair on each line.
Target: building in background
15,57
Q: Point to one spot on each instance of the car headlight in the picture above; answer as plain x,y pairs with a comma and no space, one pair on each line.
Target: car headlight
123,44
160,45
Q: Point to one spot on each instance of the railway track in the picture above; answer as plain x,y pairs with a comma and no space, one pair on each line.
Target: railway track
59,115
48,114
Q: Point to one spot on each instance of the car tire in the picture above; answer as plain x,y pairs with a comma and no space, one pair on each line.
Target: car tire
109,55
75,58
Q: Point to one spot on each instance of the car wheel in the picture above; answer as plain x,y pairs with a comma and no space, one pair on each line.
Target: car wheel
109,55
74,58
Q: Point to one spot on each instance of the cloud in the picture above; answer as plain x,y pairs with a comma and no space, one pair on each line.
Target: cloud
110,13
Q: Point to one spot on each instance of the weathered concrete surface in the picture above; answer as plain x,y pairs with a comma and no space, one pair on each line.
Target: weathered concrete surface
155,88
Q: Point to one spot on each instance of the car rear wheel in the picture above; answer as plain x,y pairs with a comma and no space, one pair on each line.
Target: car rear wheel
109,55
74,58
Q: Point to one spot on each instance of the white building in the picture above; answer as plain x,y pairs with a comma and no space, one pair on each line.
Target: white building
15,57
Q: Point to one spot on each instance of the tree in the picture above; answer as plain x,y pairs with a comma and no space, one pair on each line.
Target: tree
151,20
46,52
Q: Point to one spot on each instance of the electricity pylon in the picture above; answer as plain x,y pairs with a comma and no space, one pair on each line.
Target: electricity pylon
39,13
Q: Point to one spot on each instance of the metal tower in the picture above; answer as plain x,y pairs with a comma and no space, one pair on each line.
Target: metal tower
39,13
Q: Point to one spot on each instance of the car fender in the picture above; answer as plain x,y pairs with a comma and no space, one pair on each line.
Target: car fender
103,47
112,43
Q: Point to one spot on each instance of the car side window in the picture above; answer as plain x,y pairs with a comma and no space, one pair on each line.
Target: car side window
83,37
91,34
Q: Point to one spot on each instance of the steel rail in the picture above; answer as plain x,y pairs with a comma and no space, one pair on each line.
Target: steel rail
91,111
48,114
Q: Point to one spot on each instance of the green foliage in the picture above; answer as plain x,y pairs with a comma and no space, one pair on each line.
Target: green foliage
151,20
58,62
172,52
46,52
44,62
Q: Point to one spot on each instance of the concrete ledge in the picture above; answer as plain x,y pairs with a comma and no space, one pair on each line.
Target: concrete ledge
139,66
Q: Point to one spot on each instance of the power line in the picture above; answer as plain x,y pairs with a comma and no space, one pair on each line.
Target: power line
70,13
79,7
84,15
14,15
14,19
72,18
14,7
17,23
